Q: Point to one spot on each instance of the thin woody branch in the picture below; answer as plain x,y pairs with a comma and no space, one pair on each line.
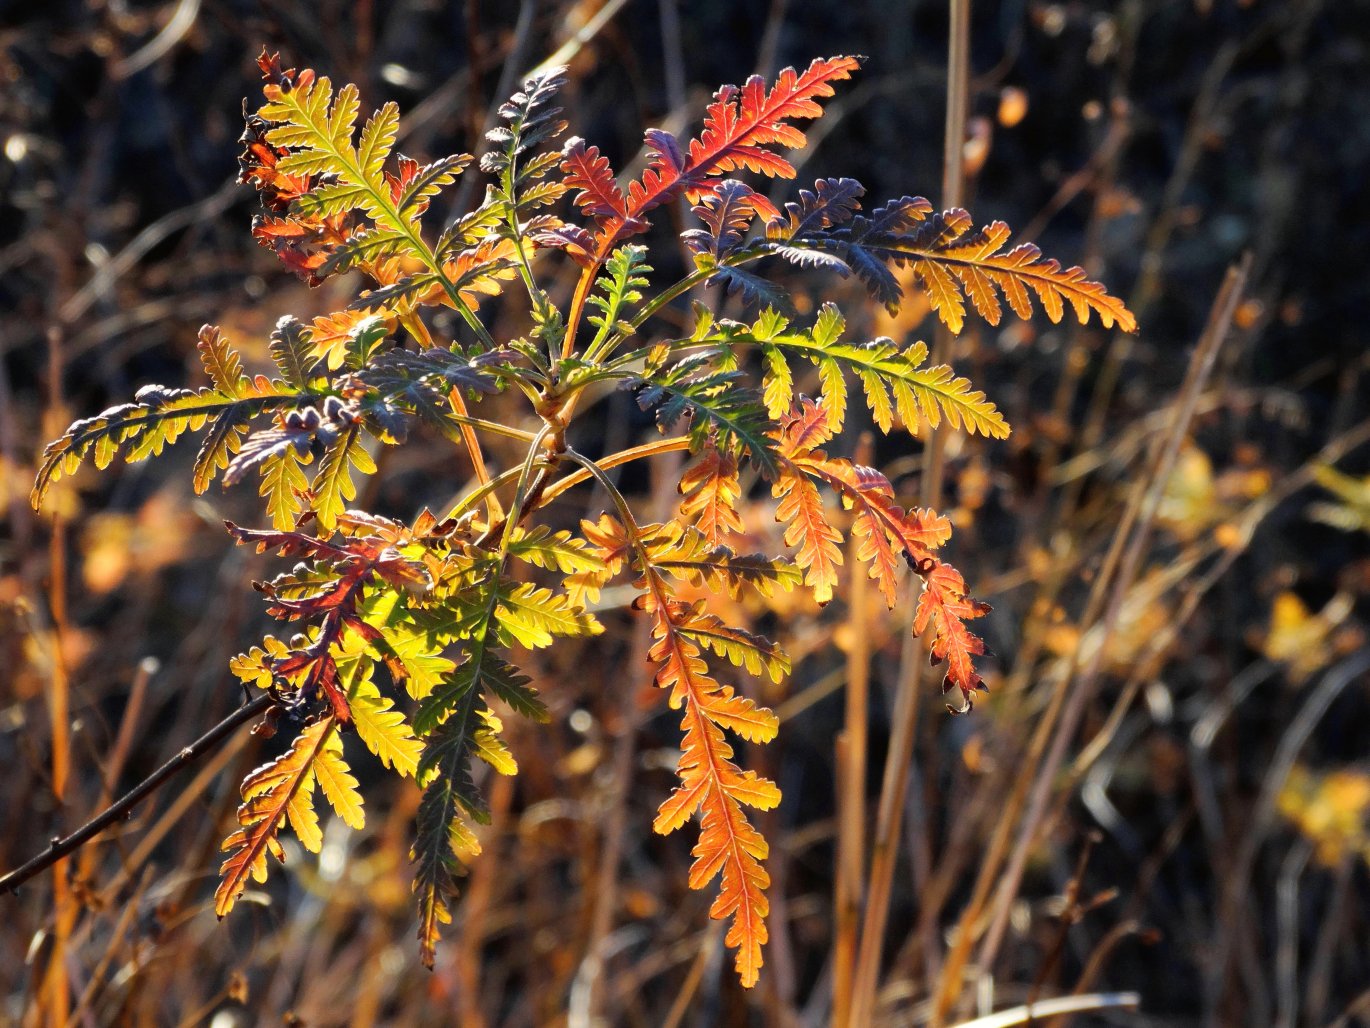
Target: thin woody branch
121,808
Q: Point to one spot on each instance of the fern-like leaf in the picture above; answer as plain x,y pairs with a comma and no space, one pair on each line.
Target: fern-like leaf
338,784
441,835
893,380
714,786
710,493
156,419
739,126
949,259
587,171
222,363
290,352
727,211
686,554
333,487
809,529
945,607
621,286
529,120
718,406
378,139
271,796
744,649
384,730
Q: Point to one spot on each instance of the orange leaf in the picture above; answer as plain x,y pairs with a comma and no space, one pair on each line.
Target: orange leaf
711,490
808,528
587,170
738,125
712,784
269,794
945,605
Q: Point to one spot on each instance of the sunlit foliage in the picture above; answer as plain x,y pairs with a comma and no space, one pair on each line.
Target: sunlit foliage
404,634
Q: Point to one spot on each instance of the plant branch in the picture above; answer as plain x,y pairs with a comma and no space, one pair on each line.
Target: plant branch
121,808
614,460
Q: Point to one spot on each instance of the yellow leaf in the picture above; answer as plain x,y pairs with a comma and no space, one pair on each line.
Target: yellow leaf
384,729
338,785
269,799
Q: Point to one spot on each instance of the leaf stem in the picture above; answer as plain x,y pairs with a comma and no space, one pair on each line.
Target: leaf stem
672,445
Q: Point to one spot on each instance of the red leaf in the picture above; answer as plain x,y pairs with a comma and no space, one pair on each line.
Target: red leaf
738,126
588,171
945,606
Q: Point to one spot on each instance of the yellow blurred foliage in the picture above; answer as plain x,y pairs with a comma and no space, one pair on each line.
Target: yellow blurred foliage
1300,638
1145,615
1187,506
116,544
1352,511
1332,810
1196,501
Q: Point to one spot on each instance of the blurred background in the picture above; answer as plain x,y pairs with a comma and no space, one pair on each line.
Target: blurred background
1191,718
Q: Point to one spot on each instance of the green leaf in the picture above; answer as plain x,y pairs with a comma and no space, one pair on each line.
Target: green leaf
620,285
533,616
378,139
448,790
486,744
718,405
384,730
560,551
778,383
919,392
428,182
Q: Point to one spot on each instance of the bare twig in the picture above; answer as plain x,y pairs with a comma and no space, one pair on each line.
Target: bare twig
894,785
181,22
1220,320
1051,1007
1287,915
851,777
206,743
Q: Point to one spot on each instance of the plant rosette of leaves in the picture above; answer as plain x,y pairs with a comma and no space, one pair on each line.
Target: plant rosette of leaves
436,602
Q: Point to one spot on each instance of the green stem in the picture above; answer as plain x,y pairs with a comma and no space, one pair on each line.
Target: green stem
516,510
624,511
474,497
668,294
493,427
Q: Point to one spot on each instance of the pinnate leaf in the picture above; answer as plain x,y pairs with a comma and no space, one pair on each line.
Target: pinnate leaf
716,787
384,730
338,784
945,607
271,795
710,493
